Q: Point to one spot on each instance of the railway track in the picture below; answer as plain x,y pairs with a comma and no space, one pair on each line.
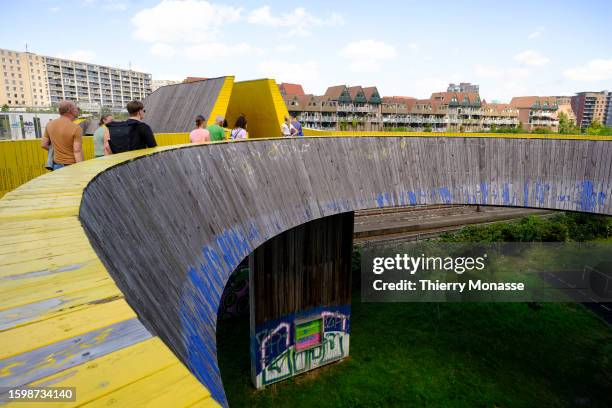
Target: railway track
419,222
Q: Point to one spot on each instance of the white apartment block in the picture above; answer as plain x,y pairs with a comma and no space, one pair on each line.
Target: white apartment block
30,80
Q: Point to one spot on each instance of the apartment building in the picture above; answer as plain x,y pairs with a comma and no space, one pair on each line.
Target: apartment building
537,111
30,80
464,87
359,108
591,106
23,79
496,115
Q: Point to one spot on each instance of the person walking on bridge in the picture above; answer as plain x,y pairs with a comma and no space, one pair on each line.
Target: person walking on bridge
199,134
64,136
239,131
132,134
216,130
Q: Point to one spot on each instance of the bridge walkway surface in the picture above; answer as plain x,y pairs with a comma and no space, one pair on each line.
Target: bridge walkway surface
63,321
82,305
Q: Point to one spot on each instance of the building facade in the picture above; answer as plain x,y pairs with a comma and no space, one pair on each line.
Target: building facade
591,106
464,87
537,112
23,79
30,80
363,109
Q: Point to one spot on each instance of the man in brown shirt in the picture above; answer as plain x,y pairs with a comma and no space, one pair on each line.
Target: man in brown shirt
65,136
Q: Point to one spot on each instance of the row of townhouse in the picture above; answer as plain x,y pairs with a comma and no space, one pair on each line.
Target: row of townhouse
359,108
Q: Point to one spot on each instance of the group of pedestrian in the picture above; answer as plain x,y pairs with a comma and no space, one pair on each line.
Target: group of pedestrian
216,131
292,127
63,139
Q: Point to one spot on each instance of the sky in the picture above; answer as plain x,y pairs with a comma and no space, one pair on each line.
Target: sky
409,48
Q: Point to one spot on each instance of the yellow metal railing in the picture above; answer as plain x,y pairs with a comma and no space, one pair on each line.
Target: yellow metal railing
23,160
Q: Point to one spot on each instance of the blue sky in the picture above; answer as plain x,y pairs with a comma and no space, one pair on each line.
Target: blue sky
407,48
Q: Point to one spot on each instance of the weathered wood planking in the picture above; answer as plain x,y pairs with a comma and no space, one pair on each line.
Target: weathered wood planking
302,268
173,108
196,212
63,321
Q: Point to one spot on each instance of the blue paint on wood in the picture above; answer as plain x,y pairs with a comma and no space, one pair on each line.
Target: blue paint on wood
445,195
412,198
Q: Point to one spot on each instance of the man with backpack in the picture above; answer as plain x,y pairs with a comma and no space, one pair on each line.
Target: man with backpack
132,134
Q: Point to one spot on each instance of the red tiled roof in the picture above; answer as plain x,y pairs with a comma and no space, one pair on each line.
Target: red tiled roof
353,90
291,89
334,92
368,91
445,97
529,101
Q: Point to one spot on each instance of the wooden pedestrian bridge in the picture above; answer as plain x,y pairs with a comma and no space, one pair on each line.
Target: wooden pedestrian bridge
111,270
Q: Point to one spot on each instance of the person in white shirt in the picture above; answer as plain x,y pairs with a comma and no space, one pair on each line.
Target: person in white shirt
287,128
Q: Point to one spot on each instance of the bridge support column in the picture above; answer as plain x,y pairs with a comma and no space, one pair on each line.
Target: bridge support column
300,299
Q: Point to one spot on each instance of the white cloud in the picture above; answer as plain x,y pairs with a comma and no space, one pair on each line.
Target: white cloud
78,55
536,34
593,71
531,58
203,52
366,55
413,46
54,9
189,21
299,22
305,73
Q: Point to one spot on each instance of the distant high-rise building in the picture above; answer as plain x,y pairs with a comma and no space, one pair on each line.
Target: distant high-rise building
591,106
464,87
27,79
609,110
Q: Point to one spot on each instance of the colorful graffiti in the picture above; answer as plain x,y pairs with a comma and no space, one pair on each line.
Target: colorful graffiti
300,342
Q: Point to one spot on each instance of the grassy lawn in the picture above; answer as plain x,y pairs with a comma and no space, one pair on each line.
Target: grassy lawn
441,355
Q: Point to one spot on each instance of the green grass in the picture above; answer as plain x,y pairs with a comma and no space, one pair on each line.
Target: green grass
444,355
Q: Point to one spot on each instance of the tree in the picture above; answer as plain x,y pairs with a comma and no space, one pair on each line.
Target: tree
597,129
566,125
5,108
427,127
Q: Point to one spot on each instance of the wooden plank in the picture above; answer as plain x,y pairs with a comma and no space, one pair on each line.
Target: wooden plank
174,386
46,332
32,366
58,305
111,372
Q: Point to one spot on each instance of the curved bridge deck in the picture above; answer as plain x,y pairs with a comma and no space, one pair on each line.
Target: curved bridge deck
194,213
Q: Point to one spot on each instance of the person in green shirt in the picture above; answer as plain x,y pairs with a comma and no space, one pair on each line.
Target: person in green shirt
216,131
100,135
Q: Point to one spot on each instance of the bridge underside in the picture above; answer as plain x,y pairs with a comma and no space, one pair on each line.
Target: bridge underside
171,227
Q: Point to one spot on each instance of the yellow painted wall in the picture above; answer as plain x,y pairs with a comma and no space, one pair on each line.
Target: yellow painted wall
223,99
23,160
261,103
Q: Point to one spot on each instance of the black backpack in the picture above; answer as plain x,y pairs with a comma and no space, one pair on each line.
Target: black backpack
122,135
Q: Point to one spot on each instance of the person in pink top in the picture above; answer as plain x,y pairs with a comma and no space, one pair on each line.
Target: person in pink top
199,134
